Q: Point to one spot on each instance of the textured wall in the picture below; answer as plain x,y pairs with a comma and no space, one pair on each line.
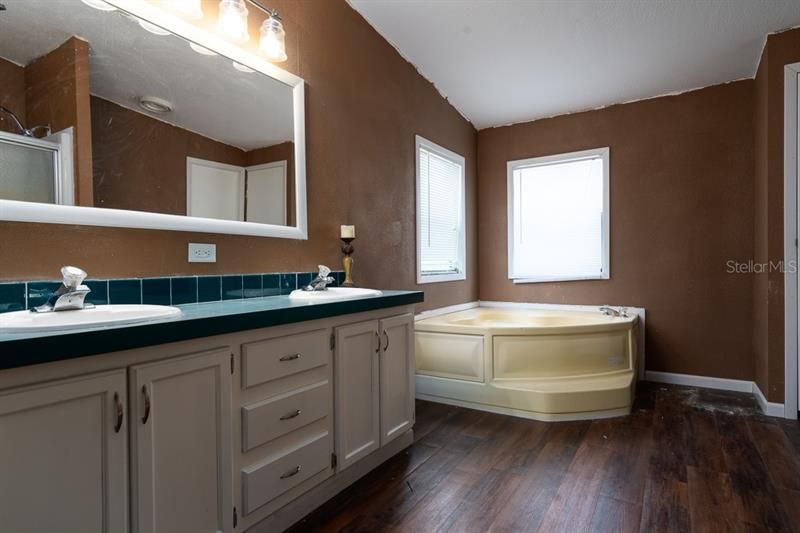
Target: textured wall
681,206
781,49
364,105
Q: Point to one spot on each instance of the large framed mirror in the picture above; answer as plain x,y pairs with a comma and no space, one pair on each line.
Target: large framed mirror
124,113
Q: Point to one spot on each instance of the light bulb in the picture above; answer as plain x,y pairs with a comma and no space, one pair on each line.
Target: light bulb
273,39
190,8
233,20
99,4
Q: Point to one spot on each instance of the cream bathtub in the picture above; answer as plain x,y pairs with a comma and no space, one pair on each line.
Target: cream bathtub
542,364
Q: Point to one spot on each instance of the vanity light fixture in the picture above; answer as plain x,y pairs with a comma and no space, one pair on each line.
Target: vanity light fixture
232,21
273,37
99,4
189,8
155,105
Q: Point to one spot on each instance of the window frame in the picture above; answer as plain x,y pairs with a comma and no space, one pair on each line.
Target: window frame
511,166
421,142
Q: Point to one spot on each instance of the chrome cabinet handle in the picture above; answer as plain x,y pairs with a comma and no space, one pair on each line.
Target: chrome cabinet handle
293,472
386,336
120,413
292,415
290,357
146,397
378,338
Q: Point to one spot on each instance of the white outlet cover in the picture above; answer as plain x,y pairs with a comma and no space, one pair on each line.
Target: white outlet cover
202,253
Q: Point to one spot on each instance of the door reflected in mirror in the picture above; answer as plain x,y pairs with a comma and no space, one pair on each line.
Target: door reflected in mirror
98,109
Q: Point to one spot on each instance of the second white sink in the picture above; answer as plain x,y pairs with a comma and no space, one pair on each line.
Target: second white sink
332,294
99,316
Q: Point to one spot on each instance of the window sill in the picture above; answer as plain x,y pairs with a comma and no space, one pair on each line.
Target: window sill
556,280
439,278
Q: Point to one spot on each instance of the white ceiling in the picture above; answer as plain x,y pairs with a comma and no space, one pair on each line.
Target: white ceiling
501,62
210,97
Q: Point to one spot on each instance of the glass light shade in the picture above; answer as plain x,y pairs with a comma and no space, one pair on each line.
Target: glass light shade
273,39
190,8
232,22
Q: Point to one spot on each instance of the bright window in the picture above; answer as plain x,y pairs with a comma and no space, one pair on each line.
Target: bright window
558,217
441,240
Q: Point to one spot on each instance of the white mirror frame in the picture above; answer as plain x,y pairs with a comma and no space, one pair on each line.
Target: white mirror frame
11,210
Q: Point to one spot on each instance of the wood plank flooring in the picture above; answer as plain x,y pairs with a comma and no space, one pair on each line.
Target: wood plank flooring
686,459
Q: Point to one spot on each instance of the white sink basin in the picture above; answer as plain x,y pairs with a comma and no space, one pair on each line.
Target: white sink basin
99,316
332,294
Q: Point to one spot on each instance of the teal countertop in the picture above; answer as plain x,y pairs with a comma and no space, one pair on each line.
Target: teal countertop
195,321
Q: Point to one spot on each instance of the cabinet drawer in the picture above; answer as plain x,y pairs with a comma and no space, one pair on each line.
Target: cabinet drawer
271,359
265,481
269,419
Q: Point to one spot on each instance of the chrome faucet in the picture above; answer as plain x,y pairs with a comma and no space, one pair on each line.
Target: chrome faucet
610,311
320,283
70,295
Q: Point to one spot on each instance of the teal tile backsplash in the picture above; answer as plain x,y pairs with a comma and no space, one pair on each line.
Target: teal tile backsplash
176,290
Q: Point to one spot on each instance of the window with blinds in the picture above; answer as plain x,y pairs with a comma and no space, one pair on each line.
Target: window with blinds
440,214
558,217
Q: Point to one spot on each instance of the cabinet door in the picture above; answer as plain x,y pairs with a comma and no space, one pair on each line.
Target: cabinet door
397,376
357,391
63,456
181,424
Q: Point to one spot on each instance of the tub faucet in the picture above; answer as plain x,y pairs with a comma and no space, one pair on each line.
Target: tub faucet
610,311
320,283
70,295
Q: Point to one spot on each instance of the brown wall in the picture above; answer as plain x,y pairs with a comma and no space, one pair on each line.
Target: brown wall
681,206
149,175
12,94
364,105
58,94
781,49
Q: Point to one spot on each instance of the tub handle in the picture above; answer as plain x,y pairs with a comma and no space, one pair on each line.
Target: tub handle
386,336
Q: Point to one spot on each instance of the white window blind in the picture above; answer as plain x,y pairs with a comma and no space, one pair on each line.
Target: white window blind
558,223
440,213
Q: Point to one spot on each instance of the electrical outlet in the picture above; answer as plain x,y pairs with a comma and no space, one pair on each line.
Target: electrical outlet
202,253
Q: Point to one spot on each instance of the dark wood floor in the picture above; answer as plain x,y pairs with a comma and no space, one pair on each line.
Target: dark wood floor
685,460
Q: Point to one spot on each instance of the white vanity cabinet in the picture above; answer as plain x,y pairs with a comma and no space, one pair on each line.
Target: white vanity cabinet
63,455
246,431
397,376
181,444
374,385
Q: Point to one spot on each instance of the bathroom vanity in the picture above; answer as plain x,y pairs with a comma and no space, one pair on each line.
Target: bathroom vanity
236,416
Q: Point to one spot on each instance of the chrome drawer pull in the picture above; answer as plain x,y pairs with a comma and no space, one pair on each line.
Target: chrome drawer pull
293,472
293,415
290,357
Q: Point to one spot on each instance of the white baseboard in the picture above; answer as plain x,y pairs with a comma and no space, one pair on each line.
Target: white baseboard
768,408
737,385
691,380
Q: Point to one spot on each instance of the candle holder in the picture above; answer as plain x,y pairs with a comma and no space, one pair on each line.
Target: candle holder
347,262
